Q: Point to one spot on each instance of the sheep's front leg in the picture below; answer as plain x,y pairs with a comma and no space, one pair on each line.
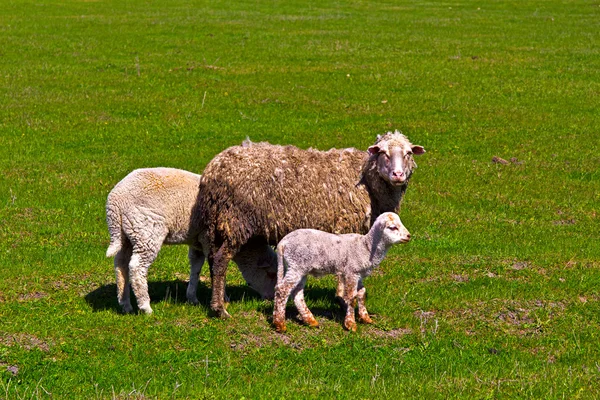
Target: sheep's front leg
363,314
350,285
303,309
196,258
282,293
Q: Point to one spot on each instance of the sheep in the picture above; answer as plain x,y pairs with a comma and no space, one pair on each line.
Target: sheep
351,257
154,206
264,190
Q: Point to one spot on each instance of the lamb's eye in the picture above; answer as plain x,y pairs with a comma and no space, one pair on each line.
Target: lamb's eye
393,228
408,154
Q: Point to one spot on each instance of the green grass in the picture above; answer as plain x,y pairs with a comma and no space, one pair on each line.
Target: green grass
498,294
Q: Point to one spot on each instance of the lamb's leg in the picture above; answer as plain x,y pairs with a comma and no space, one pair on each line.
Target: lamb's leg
219,271
122,274
145,251
363,314
305,314
196,258
282,293
350,284
339,291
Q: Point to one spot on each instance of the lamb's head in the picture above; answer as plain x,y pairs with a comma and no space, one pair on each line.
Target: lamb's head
394,157
393,231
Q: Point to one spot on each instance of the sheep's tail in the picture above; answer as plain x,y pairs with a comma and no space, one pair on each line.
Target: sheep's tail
113,220
280,266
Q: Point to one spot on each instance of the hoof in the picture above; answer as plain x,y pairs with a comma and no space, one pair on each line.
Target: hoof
313,323
280,327
223,314
193,300
145,309
351,326
365,319
127,309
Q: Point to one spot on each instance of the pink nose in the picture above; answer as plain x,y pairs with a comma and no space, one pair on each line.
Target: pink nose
398,174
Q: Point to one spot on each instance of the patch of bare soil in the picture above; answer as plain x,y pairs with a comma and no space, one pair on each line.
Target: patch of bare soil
31,296
24,340
391,334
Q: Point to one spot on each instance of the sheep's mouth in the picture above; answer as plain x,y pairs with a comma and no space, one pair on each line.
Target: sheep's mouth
404,240
397,181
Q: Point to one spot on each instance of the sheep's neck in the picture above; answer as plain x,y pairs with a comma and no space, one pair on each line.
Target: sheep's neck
384,197
376,246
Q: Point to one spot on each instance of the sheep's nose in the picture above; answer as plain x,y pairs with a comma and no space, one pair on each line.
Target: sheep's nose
408,236
398,174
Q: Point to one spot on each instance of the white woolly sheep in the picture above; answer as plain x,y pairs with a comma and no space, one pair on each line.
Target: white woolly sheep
267,191
154,206
350,256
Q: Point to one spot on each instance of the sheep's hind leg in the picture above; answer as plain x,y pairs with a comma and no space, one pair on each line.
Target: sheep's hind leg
196,258
350,284
218,275
303,310
363,314
122,274
144,254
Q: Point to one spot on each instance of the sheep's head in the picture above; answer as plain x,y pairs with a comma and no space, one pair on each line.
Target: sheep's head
394,154
393,230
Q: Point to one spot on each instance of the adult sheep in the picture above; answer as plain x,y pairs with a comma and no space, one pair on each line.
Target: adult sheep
260,190
154,206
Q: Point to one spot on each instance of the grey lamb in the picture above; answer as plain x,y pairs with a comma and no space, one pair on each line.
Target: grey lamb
351,257
260,190
154,206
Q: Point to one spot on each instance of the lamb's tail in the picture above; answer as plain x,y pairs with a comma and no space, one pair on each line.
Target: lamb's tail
280,263
113,220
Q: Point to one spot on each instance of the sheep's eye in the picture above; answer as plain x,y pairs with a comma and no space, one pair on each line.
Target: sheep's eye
393,227
408,154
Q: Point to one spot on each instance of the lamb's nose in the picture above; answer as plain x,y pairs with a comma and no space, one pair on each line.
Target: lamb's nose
407,237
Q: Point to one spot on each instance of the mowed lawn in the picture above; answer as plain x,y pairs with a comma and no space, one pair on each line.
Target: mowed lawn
496,296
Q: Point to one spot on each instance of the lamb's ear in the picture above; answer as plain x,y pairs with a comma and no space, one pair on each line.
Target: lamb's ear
375,149
418,150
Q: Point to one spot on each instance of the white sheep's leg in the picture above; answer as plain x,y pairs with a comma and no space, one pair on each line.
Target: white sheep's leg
143,256
303,310
122,274
196,258
282,293
363,314
350,284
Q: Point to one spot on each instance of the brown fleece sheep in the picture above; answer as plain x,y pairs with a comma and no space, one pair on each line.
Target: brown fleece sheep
266,191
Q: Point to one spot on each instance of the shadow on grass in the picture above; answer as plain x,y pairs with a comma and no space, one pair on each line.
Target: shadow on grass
105,297
333,309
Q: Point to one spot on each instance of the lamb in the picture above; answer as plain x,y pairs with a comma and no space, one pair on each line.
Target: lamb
351,257
267,191
154,206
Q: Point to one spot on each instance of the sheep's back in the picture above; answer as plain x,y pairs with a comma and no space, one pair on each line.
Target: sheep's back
268,190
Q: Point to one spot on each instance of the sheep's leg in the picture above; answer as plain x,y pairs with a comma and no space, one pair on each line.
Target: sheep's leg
305,314
122,274
363,314
219,271
350,284
196,258
144,253
339,291
289,283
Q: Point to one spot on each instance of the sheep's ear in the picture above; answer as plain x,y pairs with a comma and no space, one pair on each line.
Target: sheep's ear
375,149
418,150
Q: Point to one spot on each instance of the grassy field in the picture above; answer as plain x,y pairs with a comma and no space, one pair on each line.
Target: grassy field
498,294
